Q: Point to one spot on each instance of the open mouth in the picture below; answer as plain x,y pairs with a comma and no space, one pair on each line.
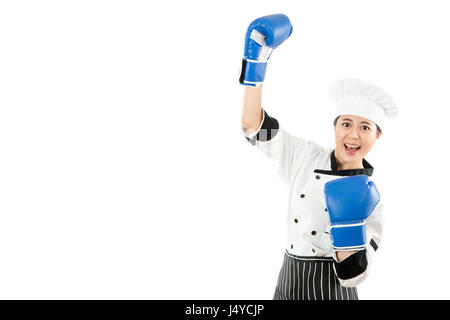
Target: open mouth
351,148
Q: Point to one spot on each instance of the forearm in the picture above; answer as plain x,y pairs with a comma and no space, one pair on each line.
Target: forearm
341,255
252,110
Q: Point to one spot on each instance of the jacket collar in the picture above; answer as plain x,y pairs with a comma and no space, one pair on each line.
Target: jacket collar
368,169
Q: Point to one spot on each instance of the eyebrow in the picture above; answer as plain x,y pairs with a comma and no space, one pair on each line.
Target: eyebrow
352,121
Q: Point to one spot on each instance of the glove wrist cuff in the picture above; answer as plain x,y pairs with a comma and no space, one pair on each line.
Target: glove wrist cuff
348,236
252,72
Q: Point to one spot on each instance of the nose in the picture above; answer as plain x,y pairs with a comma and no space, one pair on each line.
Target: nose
353,133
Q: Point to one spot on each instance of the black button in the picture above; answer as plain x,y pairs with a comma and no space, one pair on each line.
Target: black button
313,250
302,195
326,210
292,246
313,233
317,177
296,220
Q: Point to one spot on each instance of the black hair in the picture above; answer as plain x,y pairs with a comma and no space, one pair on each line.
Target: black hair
378,128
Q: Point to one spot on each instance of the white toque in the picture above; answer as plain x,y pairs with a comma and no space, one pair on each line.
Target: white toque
360,98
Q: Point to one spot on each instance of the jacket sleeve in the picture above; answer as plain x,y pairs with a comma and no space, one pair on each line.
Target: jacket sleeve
355,268
286,151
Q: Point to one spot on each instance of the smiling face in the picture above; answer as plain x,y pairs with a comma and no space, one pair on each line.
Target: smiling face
355,137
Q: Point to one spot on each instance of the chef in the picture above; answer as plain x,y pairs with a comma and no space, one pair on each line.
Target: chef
334,217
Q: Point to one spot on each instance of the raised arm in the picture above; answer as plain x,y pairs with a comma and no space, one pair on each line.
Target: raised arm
263,35
252,110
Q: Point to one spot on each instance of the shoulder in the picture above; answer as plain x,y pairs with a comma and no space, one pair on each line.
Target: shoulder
319,155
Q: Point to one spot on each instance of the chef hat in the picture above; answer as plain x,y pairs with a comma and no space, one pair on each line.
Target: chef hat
360,98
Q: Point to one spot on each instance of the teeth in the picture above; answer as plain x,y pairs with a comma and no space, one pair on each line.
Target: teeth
351,147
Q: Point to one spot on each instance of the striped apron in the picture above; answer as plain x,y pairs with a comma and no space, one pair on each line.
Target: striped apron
310,278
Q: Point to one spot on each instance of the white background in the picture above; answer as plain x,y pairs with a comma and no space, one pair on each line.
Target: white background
123,171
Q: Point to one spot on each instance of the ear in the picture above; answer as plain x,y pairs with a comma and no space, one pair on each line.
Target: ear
379,134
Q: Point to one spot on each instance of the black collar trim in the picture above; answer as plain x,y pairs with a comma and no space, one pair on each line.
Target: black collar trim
368,169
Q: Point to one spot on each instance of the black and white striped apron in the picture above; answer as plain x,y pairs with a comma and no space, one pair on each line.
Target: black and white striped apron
310,278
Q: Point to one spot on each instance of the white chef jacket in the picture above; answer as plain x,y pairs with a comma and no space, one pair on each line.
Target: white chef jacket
305,167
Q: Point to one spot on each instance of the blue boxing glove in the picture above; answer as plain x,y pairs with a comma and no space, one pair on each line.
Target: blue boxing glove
263,35
350,201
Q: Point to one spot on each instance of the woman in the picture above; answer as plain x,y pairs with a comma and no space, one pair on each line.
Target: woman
334,213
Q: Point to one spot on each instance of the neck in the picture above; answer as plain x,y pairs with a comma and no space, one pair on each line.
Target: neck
343,165
348,166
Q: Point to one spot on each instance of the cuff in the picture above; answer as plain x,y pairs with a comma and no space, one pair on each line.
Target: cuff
352,266
267,131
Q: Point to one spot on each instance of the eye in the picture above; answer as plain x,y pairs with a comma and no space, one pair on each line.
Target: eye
365,128
345,124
